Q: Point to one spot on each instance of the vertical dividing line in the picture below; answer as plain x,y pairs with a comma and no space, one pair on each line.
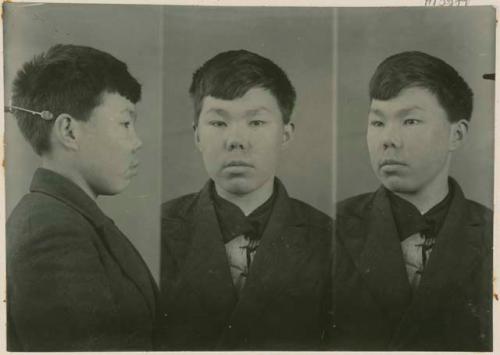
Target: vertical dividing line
3,200
335,161
161,45
335,71
496,187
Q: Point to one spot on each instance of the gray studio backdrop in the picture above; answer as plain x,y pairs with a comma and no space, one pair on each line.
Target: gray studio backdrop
132,34
299,41
463,37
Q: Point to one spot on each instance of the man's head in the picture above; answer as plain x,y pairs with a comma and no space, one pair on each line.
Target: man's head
419,114
243,105
92,98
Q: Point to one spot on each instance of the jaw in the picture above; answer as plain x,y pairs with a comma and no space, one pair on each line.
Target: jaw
248,196
424,195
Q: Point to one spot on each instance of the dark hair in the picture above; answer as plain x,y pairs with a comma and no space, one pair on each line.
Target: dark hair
67,79
417,69
229,75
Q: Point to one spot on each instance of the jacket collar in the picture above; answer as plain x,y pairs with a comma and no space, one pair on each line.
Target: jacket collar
53,184
281,203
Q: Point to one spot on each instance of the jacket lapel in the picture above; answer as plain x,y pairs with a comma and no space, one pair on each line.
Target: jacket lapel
282,249
130,262
375,248
127,257
206,267
457,249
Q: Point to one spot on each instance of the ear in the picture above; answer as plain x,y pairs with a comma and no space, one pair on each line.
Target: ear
196,136
459,132
288,134
64,131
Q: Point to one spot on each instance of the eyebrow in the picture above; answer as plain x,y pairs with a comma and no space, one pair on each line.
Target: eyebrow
376,112
400,113
248,113
217,111
132,113
406,111
253,112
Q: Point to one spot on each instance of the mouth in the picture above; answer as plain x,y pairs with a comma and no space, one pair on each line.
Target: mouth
133,168
237,164
391,162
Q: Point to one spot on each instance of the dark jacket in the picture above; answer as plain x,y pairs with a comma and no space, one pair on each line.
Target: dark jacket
75,282
284,301
374,307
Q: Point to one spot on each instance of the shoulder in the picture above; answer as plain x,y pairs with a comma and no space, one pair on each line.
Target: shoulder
312,215
481,217
179,208
479,211
40,220
38,209
355,206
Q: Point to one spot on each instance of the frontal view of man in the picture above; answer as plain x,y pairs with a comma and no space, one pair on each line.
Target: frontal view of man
414,258
244,266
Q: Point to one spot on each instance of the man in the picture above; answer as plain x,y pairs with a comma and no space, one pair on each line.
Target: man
414,258
244,266
74,281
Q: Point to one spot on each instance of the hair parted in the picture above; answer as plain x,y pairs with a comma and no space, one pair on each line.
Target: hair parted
229,75
67,79
417,69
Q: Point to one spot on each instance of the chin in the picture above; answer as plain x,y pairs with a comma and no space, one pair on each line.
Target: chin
396,184
238,186
113,190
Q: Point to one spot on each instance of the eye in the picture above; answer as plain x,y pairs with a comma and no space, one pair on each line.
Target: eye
217,123
376,123
411,122
126,124
257,123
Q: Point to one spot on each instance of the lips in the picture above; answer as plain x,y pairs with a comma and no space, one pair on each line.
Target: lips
237,163
133,168
391,162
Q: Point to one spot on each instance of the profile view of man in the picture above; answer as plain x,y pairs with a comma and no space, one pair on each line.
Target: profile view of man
414,258
75,282
244,266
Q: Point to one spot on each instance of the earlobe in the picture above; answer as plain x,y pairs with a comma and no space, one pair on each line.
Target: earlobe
65,131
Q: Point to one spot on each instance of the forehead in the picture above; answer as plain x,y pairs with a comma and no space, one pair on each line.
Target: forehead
254,99
409,99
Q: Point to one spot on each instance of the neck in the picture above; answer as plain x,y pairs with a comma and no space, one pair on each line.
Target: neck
251,201
69,173
429,197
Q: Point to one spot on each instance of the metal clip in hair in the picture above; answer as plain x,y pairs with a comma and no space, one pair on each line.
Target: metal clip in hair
46,115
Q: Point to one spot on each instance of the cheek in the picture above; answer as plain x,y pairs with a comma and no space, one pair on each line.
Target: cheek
270,140
431,142
372,143
209,141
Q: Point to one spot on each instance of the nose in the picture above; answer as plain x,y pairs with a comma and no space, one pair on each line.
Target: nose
137,143
236,138
391,136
